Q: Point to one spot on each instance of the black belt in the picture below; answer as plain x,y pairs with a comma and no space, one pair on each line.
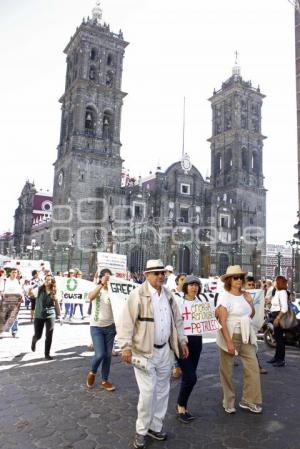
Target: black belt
160,346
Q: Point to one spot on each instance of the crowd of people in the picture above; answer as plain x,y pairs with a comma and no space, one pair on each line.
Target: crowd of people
152,337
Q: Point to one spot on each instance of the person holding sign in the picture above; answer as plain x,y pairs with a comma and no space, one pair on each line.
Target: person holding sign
103,331
149,330
238,337
190,308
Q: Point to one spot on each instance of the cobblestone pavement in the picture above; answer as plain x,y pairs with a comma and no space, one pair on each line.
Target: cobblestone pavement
45,404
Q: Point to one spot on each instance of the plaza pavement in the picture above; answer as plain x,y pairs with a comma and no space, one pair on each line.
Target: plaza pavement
45,404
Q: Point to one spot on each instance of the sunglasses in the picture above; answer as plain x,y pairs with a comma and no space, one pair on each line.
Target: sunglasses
157,273
236,278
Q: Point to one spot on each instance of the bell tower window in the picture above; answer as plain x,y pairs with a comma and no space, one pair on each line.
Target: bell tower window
92,73
107,126
110,59
109,78
245,161
90,119
218,163
93,54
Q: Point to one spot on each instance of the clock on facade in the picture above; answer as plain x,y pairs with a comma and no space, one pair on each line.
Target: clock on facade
60,178
186,163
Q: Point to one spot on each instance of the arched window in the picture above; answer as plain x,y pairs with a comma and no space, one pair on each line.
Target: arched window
255,163
110,59
71,124
218,163
93,54
90,119
109,78
107,125
92,73
228,159
245,159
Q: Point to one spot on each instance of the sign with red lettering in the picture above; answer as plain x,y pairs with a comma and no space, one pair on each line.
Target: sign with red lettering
198,317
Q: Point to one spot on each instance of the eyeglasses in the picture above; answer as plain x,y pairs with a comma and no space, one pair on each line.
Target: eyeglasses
157,273
237,278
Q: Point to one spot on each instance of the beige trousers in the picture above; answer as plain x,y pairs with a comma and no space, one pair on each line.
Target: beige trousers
252,386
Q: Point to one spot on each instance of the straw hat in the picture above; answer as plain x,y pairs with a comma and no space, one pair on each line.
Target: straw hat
233,270
154,265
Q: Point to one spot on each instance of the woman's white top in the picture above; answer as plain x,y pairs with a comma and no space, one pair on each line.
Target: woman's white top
236,306
101,315
279,302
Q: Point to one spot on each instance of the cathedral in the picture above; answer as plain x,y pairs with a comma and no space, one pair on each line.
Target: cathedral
197,225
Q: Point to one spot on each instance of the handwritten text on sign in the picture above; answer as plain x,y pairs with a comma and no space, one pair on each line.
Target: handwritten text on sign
198,318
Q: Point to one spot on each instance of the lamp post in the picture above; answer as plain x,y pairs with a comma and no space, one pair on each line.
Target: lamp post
278,268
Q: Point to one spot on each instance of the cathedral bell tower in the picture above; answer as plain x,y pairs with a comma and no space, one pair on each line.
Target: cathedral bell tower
88,154
238,193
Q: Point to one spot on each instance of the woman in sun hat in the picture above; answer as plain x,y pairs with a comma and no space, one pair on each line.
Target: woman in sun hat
237,336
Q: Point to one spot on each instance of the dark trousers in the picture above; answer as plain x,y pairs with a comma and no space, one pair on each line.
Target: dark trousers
280,341
189,369
38,331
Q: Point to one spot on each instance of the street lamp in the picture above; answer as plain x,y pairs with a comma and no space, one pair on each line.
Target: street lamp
279,257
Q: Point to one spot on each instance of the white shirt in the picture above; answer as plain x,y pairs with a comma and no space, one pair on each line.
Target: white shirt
162,316
171,284
279,302
101,315
235,305
13,286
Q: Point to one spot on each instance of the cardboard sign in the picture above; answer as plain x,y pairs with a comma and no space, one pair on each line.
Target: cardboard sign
198,317
116,263
9,309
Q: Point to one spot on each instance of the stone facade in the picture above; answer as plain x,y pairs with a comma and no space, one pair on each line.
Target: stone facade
197,225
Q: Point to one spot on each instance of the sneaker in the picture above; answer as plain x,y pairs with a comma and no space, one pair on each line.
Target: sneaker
279,363
254,408
48,357
90,380
139,441
33,344
15,335
105,385
159,436
230,410
263,371
176,373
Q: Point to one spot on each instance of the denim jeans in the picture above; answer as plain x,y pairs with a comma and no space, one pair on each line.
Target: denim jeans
103,340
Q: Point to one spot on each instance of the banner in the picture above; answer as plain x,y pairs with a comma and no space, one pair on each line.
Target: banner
72,290
116,263
9,309
199,318
27,266
259,305
119,290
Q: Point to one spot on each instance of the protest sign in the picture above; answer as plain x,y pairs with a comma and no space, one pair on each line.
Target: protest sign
116,263
119,290
199,317
9,309
259,305
73,290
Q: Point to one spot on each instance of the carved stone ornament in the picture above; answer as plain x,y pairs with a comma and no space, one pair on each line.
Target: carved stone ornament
186,164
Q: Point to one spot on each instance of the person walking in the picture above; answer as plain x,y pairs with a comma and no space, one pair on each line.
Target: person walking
149,329
189,302
103,331
237,336
279,306
46,309
12,286
178,293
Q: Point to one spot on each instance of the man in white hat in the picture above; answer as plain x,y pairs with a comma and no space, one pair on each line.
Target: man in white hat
170,278
149,331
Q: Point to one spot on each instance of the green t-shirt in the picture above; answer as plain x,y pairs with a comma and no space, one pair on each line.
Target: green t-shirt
44,301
